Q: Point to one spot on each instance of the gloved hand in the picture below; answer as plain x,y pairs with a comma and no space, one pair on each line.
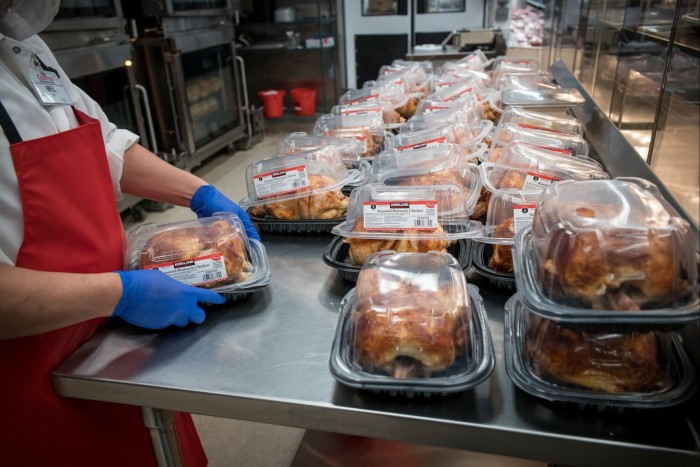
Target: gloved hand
207,200
151,299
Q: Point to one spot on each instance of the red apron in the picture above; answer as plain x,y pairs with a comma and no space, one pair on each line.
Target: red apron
71,224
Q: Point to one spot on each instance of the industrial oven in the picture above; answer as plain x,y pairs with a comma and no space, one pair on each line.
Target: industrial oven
187,55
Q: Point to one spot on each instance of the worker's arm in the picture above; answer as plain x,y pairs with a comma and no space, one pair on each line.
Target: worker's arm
37,301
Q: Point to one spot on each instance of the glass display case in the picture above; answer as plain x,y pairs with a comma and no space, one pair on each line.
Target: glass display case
640,61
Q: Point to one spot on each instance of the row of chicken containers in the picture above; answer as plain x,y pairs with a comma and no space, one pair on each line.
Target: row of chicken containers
422,174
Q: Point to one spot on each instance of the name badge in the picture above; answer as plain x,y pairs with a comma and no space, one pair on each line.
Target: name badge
48,87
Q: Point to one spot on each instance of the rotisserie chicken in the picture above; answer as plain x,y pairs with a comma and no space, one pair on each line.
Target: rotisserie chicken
502,257
326,205
362,248
407,331
611,363
193,242
371,143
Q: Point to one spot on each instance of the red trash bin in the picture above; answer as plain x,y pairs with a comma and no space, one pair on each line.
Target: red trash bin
272,102
304,101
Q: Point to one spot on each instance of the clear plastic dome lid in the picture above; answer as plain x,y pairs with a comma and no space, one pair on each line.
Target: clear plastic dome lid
467,114
522,166
434,166
350,149
508,213
612,245
298,175
540,121
212,252
366,128
461,134
412,213
544,98
569,144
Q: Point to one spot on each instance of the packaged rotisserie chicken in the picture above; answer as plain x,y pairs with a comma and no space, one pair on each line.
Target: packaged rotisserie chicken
299,192
350,149
610,250
569,144
412,325
212,252
431,166
460,134
626,368
541,98
403,219
367,129
527,118
456,114
509,212
526,167
527,80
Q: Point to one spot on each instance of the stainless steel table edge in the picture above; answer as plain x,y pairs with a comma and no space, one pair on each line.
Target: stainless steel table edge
524,444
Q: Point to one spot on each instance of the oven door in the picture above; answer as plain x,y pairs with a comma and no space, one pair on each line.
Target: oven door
206,91
196,7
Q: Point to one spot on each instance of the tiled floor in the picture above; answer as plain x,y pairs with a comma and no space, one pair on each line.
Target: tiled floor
235,443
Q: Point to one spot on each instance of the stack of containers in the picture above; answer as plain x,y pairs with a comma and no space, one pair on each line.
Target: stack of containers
415,200
212,252
412,326
606,278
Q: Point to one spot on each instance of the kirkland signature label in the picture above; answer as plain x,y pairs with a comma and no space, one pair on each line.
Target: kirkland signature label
203,270
407,215
523,215
538,181
287,180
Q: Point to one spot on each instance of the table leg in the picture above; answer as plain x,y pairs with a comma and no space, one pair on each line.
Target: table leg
162,429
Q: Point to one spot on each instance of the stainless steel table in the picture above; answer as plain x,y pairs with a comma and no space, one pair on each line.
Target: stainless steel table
265,359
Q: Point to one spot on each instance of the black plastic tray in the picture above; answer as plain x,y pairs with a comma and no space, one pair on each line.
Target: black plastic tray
337,256
270,224
481,255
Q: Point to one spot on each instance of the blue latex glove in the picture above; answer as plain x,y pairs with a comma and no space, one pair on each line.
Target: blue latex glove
151,299
207,200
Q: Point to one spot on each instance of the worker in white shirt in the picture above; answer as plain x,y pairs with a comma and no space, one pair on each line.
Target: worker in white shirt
62,167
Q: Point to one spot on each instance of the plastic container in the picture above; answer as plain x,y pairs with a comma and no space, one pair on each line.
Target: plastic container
564,364
505,65
392,119
541,98
405,219
568,144
475,60
528,80
368,129
460,91
412,326
466,114
508,213
350,149
526,167
301,186
540,121
459,134
212,252
304,101
453,70
610,252
482,253
272,101
429,105
442,165
337,255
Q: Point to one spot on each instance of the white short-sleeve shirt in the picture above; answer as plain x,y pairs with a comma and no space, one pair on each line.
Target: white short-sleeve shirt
33,120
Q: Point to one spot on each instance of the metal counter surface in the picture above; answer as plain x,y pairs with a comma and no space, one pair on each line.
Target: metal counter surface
265,359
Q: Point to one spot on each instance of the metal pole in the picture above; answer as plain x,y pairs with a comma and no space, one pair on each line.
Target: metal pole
162,430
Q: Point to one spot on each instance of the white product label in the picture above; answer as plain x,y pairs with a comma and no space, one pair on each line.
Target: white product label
566,152
363,142
459,94
434,108
406,215
351,111
360,100
288,180
523,215
203,270
538,181
423,144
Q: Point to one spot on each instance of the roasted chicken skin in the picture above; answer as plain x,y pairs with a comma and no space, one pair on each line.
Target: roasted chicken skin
326,205
192,242
502,257
372,143
362,248
610,363
618,269
406,331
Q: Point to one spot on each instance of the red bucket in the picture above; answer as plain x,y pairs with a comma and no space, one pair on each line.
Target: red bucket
272,102
304,101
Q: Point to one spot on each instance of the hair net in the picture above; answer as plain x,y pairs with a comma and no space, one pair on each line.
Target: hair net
20,19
